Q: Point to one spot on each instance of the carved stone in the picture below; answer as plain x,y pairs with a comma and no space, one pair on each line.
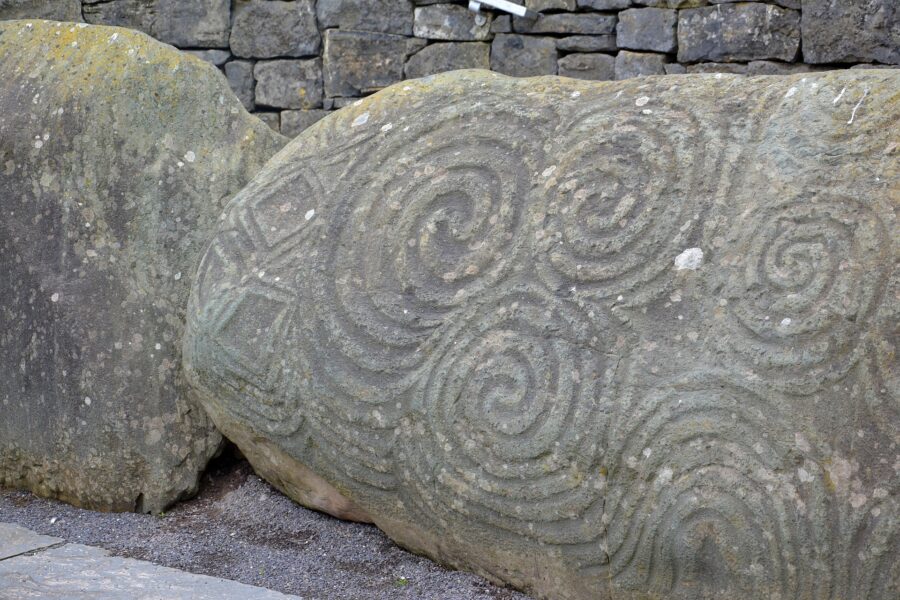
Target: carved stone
117,155
594,340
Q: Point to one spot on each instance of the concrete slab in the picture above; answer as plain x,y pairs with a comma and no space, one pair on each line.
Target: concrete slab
76,572
15,540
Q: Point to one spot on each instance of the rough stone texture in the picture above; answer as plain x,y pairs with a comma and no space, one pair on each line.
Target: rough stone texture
598,67
738,32
356,62
604,4
270,28
133,14
56,10
648,29
214,57
733,68
118,154
271,119
439,57
295,121
385,16
15,540
639,64
523,56
289,83
572,24
587,43
851,31
451,22
795,4
541,5
240,78
194,24
77,572
597,340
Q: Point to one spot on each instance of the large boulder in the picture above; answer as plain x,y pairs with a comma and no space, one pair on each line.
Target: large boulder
594,340
117,156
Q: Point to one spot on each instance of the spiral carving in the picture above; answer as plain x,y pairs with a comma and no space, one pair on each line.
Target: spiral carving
622,204
804,276
511,422
704,496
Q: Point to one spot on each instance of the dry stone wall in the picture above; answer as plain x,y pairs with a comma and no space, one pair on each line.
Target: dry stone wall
292,62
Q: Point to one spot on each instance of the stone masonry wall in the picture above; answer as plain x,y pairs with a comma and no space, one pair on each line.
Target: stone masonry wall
291,62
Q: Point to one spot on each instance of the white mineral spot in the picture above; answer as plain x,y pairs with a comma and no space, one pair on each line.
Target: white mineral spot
158,346
647,111
310,214
857,500
53,520
791,92
839,96
87,400
261,274
575,94
177,275
642,101
785,322
387,127
190,156
692,259
647,452
54,297
180,164
38,143
360,120
549,171
665,476
113,37
804,475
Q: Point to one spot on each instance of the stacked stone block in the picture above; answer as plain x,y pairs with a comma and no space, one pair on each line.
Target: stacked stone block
293,61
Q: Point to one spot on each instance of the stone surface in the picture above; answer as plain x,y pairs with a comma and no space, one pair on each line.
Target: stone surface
587,43
118,154
240,77
604,4
795,4
133,14
451,22
648,29
603,340
271,119
738,32
56,10
77,572
598,67
271,28
851,31
15,540
568,23
295,121
214,57
540,5
193,24
523,56
639,64
288,83
357,62
733,68
385,16
439,57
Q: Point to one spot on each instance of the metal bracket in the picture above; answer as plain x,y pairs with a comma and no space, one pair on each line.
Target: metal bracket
505,5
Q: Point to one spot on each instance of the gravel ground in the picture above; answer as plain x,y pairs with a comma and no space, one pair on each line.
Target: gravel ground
241,528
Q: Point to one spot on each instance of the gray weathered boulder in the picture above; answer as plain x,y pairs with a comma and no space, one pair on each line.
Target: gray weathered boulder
595,340
117,154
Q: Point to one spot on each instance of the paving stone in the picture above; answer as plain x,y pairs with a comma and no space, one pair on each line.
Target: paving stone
451,22
359,62
194,24
384,16
214,57
132,14
523,55
270,29
15,540
54,10
76,572
448,56
240,77
638,64
295,121
648,29
587,43
851,31
568,23
288,83
598,67
738,32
